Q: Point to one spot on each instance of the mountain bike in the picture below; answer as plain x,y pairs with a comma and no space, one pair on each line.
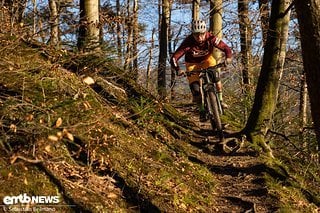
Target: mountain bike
209,96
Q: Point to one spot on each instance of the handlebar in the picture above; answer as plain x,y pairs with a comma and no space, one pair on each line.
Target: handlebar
220,65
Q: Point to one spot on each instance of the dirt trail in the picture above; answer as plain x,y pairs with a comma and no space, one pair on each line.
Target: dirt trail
241,186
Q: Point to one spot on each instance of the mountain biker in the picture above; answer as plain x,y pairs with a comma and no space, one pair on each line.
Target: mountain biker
198,49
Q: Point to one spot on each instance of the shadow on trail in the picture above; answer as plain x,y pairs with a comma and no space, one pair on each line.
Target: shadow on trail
206,132
210,148
134,199
240,174
233,142
246,205
253,185
230,169
236,171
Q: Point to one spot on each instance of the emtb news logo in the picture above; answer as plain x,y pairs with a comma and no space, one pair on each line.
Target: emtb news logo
25,199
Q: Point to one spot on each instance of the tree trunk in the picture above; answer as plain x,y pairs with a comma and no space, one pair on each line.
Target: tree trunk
245,51
16,9
35,12
308,12
216,24
54,23
195,9
172,46
119,41
88,39
303,106
170,50
149,66
163,43
135,39
129,41
266,94
245,41
264,17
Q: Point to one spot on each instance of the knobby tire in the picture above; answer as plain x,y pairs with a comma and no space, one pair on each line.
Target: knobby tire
215,119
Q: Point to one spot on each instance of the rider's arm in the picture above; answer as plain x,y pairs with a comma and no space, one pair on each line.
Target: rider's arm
181,51
218,43
175,58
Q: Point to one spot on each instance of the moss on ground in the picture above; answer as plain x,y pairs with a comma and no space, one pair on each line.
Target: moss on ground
75,133
98,154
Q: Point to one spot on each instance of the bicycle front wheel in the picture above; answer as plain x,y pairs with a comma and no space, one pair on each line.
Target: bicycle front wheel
214,114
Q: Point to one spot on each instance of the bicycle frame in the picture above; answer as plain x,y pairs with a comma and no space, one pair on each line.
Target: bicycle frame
209,97
206,85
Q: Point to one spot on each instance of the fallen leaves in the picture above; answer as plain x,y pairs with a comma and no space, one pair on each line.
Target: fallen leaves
53,138
13,128
87,105
88,80
47,148
68,135
61,134
112,196
29,117
58,122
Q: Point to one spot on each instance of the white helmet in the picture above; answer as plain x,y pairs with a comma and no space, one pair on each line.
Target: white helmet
199,26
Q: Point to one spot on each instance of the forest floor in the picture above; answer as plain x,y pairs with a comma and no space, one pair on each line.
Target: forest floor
239,174
111,147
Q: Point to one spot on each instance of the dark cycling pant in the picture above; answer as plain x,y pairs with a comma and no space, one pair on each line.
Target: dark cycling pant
195,90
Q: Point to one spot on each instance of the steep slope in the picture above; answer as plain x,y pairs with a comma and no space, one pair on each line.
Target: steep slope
86,144
104,144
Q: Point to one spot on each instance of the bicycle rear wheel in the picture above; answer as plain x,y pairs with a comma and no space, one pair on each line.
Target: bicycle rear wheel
214,114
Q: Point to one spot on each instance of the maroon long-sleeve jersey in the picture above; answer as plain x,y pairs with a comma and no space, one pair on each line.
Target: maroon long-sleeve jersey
195,52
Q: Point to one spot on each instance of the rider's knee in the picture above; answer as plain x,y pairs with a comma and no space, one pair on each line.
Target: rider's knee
216,76
195,88
219,86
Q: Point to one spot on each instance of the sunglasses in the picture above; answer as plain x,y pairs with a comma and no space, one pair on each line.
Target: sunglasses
198,34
